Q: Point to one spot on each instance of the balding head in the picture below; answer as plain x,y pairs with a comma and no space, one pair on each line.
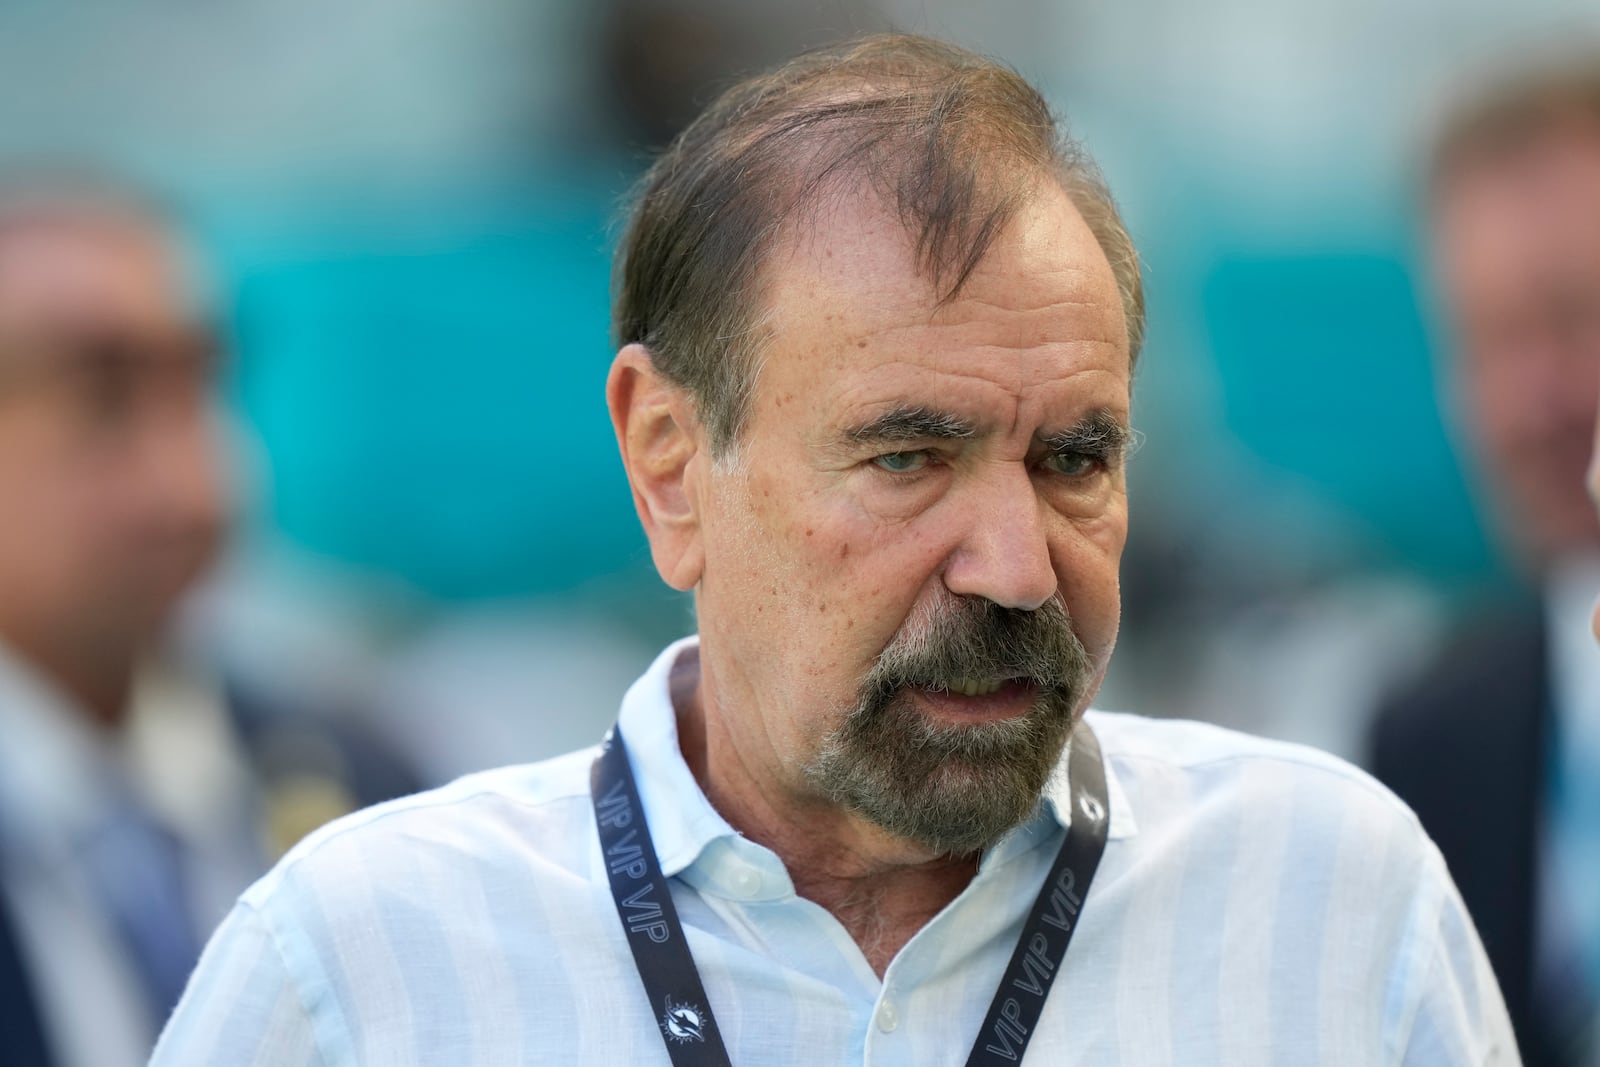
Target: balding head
952,143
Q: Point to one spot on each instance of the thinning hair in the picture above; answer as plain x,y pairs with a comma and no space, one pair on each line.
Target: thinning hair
1515,111
950,140
62,195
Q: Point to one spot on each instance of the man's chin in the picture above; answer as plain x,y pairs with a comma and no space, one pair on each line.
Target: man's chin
951,787
964,820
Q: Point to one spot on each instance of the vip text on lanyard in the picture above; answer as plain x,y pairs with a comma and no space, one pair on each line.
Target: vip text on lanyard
672,981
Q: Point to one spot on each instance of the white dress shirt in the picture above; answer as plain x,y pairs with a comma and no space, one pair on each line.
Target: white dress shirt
1258,903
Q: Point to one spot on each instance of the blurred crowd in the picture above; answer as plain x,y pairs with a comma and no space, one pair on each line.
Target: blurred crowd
308,497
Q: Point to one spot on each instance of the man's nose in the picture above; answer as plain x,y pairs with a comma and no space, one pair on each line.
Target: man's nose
1004,555
184,470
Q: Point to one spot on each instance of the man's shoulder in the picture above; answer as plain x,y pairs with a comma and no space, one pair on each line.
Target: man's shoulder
424,921
1155,758
1191,744
506,822
1297,826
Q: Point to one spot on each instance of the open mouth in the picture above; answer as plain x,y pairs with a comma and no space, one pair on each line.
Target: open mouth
971,687
970,699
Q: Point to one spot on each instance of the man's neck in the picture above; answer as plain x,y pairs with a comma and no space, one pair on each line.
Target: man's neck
882,889
97,686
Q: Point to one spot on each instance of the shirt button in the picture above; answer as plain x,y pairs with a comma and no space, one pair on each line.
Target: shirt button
888,1018
747,883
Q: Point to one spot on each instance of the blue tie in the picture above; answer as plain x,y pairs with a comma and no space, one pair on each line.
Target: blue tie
137,868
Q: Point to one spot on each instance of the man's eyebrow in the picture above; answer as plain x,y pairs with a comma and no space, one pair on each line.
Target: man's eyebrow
911,423
1099,433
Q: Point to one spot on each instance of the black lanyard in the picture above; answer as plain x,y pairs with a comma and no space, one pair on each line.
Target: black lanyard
672,982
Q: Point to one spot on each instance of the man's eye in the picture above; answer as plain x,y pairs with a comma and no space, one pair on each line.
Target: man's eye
1072,464
902,462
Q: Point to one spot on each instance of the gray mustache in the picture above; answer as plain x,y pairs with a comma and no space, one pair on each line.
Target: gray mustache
973,638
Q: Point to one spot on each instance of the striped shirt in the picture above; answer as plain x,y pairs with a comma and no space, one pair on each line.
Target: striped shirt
1258,903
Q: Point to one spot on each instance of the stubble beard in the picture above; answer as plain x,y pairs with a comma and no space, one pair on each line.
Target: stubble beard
957,788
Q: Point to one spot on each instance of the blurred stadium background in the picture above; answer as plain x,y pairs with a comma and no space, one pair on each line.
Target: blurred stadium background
411,208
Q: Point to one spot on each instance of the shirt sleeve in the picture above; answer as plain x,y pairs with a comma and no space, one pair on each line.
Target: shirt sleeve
242,1005
1460,1015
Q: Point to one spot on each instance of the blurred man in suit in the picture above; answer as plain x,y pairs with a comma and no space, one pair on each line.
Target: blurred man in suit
1497,744
134,802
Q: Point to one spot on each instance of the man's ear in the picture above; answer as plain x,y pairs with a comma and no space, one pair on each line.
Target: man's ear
659,439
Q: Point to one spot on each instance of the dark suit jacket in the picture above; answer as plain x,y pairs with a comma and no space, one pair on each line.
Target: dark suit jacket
1465,746
22,1041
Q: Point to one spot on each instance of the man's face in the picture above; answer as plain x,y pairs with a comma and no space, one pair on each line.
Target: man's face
914,484
1594,498
108,452
1517,254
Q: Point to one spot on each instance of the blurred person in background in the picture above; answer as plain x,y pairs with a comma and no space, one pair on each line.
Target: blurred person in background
135,799
1496,745
1594,497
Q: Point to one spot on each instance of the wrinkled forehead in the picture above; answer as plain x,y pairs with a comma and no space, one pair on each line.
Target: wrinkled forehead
1034,340
855,244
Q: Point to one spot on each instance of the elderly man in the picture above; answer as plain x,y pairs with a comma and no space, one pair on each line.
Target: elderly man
1497,744
877,328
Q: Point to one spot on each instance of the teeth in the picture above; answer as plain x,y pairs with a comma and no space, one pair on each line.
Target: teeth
973,688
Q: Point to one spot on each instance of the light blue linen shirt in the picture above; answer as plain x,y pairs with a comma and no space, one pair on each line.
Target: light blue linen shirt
1258,903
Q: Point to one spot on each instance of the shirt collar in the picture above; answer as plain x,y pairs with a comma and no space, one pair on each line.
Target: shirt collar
56,767
684,825
682,821
1570,590
1058,793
